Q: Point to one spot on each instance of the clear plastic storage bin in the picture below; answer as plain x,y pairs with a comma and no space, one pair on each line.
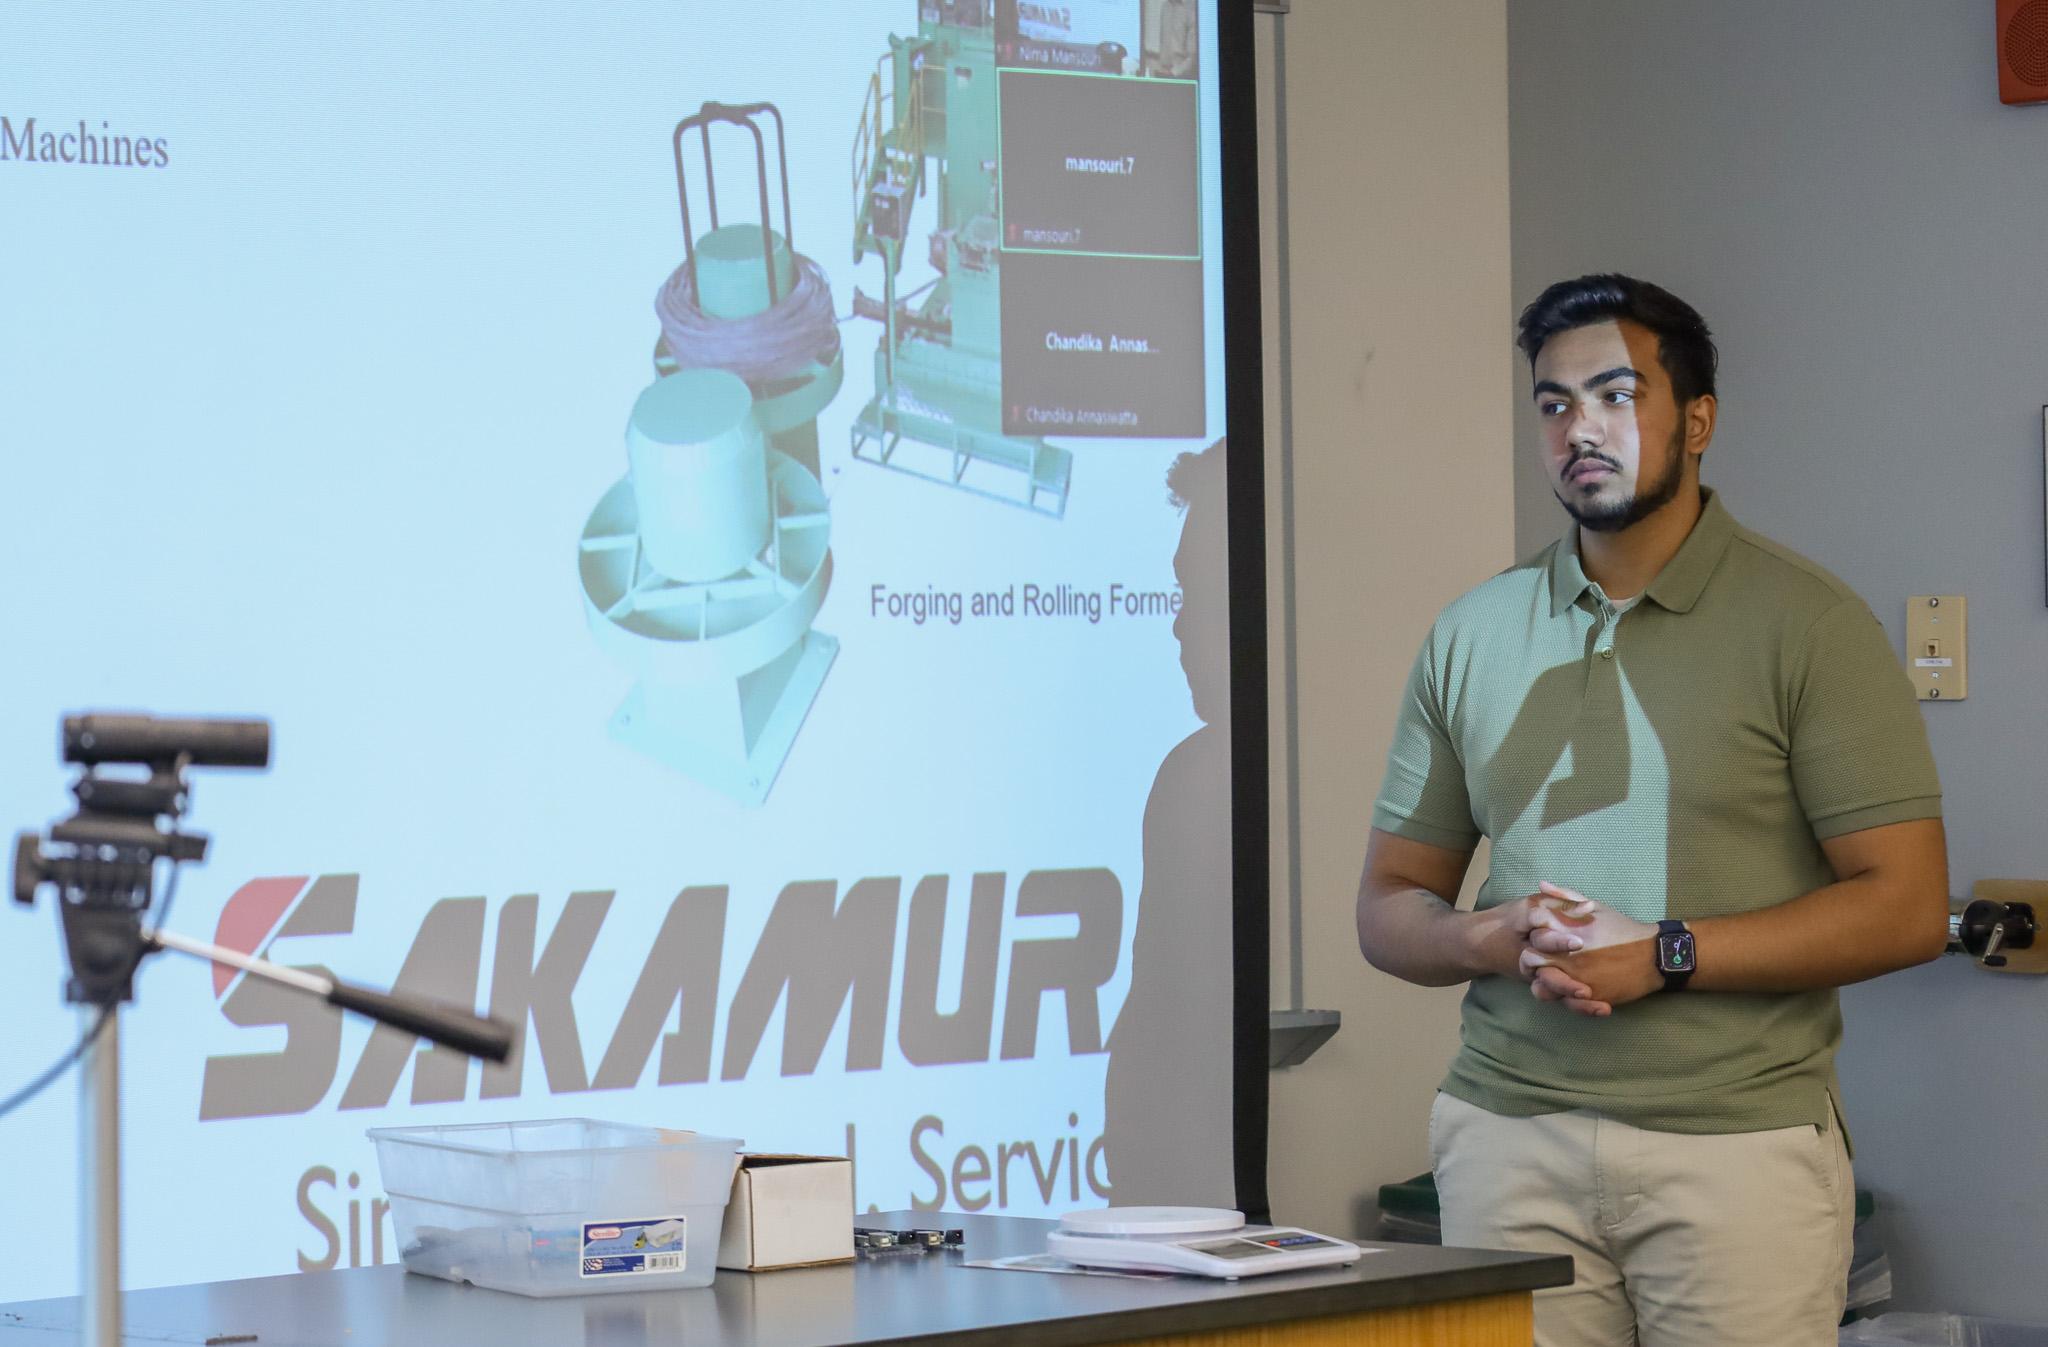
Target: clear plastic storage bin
563,1207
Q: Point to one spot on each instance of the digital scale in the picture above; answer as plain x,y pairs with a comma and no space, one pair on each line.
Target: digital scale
1205,1241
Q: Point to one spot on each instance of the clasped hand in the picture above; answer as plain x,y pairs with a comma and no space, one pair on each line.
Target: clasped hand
1582,954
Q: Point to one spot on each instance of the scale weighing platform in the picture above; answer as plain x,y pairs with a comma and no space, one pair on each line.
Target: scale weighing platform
1205,1241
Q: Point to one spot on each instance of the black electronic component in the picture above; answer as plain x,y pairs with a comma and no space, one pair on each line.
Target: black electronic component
159,741
889,211
917,1239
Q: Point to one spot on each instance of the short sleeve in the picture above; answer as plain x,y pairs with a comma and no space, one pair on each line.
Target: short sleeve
1423,795
1859,748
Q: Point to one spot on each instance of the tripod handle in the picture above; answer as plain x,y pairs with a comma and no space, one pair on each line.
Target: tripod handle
490,1039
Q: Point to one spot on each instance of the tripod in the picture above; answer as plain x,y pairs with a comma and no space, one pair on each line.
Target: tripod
102,863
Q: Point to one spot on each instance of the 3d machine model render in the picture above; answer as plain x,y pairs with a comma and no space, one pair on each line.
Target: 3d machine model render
704,567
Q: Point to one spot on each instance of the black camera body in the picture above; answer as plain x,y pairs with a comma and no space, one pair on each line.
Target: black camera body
103,858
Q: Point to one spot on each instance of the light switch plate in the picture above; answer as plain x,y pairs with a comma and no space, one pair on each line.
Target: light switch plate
1937,646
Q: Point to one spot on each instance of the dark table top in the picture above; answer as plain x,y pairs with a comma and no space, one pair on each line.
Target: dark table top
928,1299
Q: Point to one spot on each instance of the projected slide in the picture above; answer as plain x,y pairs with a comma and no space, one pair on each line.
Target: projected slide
690,486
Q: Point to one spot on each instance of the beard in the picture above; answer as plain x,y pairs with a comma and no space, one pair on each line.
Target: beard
1618,515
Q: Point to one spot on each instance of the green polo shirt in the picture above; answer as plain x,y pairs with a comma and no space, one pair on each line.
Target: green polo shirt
1683,759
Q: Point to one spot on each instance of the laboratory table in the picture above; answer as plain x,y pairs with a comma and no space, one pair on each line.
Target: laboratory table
1396,1294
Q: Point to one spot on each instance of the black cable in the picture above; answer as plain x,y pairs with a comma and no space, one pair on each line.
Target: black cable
58,1067
180,803
161,915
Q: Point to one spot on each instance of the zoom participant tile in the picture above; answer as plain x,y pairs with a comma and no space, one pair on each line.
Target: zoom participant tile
1092,164
1102,36
1102,346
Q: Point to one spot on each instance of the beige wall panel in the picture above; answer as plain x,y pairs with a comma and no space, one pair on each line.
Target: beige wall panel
1403,498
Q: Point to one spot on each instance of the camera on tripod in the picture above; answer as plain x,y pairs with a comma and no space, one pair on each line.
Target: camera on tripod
103,858
102,861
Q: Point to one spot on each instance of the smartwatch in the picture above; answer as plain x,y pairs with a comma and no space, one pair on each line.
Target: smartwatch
1675,954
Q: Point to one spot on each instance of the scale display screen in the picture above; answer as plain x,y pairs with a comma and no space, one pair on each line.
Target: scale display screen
1293,1240
1232,1248
1228,1254
1252,1247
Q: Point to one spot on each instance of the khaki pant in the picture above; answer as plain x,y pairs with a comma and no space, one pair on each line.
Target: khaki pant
1736,1240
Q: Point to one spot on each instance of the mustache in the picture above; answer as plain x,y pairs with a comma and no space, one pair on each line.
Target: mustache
1594,457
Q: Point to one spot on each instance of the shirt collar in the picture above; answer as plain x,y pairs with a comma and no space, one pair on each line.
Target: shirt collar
1678,586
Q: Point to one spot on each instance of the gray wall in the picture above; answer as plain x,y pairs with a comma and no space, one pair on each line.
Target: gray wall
1836,186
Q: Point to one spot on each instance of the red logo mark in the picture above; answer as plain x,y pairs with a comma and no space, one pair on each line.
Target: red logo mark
249,917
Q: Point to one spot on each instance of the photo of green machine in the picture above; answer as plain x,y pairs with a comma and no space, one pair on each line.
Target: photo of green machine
930,124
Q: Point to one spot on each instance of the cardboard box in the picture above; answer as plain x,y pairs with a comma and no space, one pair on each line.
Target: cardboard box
788,1211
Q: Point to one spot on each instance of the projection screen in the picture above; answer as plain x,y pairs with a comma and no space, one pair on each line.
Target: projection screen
689,484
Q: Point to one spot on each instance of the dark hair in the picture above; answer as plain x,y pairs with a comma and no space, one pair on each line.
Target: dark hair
1684,345
1197,478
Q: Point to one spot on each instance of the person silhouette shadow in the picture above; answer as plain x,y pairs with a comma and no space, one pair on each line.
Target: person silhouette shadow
1167,1097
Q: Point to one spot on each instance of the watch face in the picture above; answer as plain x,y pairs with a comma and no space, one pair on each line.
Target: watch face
1674,952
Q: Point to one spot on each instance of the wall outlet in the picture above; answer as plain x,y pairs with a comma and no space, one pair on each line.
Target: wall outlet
1937,646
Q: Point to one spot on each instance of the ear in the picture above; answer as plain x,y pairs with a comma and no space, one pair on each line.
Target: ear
1699,423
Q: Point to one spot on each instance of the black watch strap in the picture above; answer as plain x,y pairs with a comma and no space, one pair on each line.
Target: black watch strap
1676,956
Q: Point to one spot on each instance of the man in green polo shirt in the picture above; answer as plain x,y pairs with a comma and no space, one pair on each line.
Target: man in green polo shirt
1710,803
